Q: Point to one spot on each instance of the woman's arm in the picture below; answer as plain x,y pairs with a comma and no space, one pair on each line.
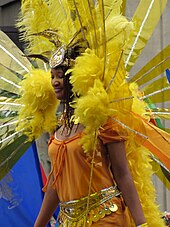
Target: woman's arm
124,180
49,205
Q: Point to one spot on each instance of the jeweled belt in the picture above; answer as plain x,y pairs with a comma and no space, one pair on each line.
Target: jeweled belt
74,213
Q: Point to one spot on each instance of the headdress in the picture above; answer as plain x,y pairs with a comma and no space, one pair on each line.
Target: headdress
106,46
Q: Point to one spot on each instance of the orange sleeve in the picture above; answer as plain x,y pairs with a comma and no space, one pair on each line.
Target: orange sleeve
112,132
51,138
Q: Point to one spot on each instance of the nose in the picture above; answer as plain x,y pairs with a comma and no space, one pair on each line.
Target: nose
55,81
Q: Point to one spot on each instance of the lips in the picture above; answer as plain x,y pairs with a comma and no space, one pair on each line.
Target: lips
57,90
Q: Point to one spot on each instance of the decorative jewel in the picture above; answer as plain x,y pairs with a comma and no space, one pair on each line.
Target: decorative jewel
107,211
113,208
102,213
65,124
58,57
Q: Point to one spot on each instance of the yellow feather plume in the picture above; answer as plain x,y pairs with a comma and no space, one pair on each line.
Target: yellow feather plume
88,67
91,111
38,113
112,7
138,105
44,32
141,169
32,22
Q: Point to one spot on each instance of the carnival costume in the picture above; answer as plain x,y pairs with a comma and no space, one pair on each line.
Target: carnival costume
110,105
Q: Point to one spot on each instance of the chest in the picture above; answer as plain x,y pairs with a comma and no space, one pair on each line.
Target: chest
64,133
71,151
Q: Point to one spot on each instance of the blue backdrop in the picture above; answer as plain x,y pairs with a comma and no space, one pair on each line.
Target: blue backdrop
20,192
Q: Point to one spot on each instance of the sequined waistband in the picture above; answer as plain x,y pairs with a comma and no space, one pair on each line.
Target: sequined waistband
76,210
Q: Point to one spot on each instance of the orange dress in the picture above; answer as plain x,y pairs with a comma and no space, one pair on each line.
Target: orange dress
71,169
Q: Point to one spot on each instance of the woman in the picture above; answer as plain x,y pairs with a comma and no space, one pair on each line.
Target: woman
84,179
103,203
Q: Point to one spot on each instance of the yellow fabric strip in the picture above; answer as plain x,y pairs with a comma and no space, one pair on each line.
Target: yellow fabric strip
158,143
145,20
162,116
160,174
156,85
154,67
160,97
123,10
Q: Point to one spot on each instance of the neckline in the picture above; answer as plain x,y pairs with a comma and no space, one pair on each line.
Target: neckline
67,139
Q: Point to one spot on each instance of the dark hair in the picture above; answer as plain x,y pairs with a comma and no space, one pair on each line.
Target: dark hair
68,95
71,54
68,99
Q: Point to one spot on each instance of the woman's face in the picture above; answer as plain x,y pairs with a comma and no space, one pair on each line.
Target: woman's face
57,81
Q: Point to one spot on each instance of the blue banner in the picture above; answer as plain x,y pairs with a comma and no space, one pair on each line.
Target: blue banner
20,192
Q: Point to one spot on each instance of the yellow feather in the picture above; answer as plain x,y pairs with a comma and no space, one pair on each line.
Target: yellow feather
32,22
88,67
141,169
90,110
138,105
61,20
112,7
54,17
39,104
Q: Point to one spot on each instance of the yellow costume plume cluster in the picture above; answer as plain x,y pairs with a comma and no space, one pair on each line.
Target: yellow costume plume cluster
91,111
88,68
38,113
141,169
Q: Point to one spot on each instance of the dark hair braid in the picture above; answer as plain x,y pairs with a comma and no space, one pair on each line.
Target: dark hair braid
68,111
68,99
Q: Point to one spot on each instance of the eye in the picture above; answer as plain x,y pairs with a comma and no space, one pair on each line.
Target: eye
57,74
60,75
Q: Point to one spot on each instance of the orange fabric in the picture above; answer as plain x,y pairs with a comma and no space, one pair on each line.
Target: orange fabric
71,166
112,132
158,143
71,169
